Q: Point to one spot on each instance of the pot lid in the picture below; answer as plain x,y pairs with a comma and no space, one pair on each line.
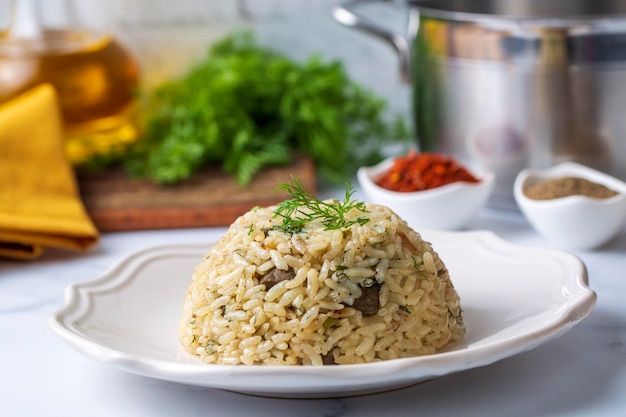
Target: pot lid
542,9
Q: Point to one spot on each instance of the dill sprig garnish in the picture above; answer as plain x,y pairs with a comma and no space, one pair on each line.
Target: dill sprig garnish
303,207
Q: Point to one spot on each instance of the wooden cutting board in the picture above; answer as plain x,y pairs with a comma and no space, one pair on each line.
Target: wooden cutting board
211,198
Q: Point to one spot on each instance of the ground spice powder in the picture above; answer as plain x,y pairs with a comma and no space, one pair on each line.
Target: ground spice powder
567,186
423,171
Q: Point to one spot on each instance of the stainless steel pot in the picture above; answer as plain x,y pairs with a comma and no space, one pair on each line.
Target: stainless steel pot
511,84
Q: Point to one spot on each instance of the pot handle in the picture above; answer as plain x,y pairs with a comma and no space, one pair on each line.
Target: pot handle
344,14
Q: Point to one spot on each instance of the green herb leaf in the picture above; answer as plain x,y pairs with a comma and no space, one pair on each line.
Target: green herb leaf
329,322
419,266
304,208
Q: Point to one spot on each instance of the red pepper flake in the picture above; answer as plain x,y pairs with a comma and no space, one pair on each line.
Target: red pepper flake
423,171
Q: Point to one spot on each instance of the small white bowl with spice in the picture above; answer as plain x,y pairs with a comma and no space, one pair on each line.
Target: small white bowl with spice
447,194
572,204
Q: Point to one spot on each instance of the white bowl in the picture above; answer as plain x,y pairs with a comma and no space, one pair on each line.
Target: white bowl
577,222
449,207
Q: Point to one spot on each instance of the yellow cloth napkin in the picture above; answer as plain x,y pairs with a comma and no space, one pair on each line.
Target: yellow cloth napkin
40,205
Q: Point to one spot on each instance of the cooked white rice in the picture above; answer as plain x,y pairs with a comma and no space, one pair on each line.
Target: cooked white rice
314,316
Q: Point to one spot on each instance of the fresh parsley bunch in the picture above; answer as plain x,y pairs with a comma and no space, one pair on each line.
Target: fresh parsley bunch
246,107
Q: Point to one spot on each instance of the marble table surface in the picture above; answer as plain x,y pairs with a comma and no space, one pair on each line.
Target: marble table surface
582,373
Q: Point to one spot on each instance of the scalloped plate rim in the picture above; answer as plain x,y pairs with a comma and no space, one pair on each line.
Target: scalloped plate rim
333,381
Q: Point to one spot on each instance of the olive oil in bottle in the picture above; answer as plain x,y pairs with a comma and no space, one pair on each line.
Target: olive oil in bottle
95,78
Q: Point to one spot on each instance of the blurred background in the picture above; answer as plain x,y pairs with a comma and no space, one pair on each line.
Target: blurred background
101,56
167,36
501,86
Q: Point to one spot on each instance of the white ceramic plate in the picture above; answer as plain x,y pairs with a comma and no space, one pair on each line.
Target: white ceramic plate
514,299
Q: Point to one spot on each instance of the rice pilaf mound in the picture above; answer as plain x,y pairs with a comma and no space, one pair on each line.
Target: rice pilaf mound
363,293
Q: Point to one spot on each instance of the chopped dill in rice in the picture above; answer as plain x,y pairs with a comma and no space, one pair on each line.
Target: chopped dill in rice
368,292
